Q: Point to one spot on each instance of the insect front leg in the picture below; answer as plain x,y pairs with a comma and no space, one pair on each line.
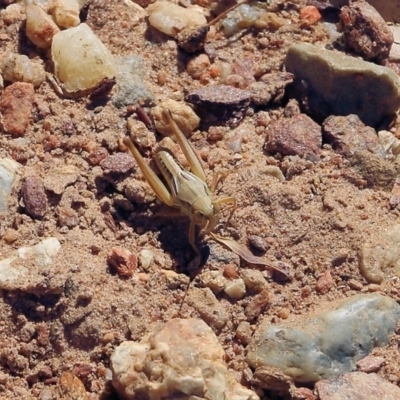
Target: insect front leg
191,156
154,181
232,205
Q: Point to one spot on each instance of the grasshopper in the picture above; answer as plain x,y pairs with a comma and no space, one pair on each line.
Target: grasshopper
186,190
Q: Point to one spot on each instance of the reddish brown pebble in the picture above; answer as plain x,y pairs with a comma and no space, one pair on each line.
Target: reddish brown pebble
325,282
71,387
303,394
257,305
309,15
370,364
16,105
284,313
119,163
231,271
298,135
98,155
83,370
34,197
123,261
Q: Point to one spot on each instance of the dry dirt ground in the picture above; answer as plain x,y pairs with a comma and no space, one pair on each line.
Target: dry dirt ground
312,223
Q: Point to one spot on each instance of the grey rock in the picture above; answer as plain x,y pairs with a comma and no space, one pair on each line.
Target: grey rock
341,85
131,88
357,386
328,344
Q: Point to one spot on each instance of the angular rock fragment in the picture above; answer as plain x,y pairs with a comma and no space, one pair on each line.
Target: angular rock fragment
8,169
357,385
119,163
365,31
16,106
380,258
312,349
348,135
331,83
298,135
378,173
34,197
220,103
180,359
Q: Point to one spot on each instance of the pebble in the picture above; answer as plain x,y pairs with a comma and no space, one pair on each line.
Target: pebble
242,17
379,174
208,307
70,387
348,134
119,163
357,385
213,280
171,19
298,135
123,261
244,332
257,305
19,68
365,32
24,270
75,53
220,103
198,65
8,170
313,348
34,197
130,71
182,114
59,178
309,15
40,27
185,360
235,289
370,364
270,88
16,105
325,282
65,13
334,86
379,259
145,258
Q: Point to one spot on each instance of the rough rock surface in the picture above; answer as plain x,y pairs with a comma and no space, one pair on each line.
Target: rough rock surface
8,169
341,85
181,359
357,386
365,31
380,259
348,135
313,349
298,135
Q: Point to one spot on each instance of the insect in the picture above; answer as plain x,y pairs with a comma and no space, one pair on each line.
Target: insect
186,190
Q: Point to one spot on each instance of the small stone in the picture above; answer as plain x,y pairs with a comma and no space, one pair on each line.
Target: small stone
59,178
183,115
145,258
244,332
298,135
16,106
119,163
380,257
270,88
123,261
348,134
231,271
258,243
220,103
309,15
189,362
303,393
19,68
325,282
71,387
365,31
65,13
8,169
97,155
254,280
257,305
379,174
198,65
213,280
311,349
130,72
338,84
10,236
40,27
140,134
284,313
171,19
370,364
235,289
34,197
356,384
271,378
76,53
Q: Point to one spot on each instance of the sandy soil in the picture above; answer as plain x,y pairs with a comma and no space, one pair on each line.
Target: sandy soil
312,223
